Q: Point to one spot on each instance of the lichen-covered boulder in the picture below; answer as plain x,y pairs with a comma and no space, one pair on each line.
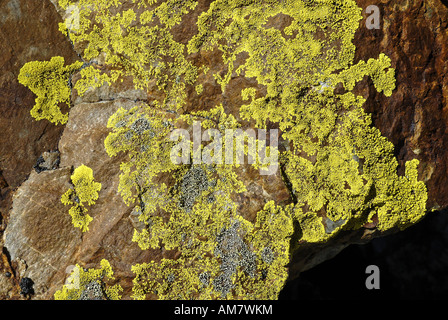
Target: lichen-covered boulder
230,142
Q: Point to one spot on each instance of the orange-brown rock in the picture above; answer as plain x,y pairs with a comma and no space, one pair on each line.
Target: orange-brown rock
28,31
414,35
39,240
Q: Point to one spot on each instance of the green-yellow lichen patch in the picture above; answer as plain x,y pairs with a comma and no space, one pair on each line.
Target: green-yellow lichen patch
138,45
49,80
168,279
84,192
379,70
341,171
91,284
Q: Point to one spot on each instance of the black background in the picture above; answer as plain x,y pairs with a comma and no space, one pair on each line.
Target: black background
413,265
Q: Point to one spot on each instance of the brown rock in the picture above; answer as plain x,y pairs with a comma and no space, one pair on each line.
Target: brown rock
28,31
7,278
413,34
110,234
40,230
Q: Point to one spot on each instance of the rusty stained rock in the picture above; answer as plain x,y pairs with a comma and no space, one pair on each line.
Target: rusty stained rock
414,35
39,230
28,32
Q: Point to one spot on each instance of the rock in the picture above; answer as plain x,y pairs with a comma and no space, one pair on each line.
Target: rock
39,231
6,287
7,279
40,239
49,160
83,143
110,232
120,90
28,32
19,266
4,199
413,34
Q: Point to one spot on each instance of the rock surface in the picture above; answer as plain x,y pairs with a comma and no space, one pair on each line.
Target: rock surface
413,34
39,231
28,31
39,240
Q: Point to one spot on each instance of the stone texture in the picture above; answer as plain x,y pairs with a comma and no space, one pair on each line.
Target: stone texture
28,32
8,283
413,34
110,232
40,241
39,230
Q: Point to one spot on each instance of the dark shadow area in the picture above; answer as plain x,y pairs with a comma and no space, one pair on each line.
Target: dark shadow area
413,264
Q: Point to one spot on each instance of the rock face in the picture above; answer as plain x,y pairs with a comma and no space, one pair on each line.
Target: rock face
413,34
39,240
38,229
28,31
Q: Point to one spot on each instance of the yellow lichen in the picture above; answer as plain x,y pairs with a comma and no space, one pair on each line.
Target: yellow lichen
83,284
50,82
84,193
135,46
340,170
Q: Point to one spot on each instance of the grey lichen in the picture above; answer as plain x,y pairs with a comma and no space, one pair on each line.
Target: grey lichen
128,135
267,255
204,278
234,253
142,125
193,183
93,291
121,124
331,225
223,284
171,277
